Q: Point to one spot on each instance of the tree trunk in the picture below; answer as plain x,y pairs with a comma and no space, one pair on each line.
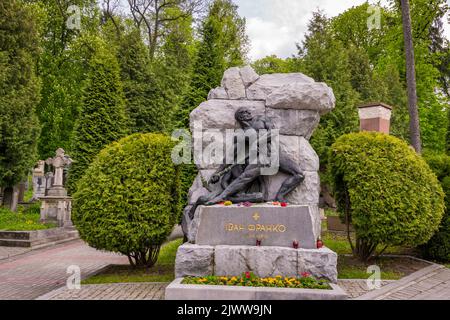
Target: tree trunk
414,124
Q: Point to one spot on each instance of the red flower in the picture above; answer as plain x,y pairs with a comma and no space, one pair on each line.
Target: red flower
305,274
247,275
284,204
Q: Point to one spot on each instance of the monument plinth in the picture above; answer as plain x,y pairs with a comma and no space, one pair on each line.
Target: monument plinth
239,225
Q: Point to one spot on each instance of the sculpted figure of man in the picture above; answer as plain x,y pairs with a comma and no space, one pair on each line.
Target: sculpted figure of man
242,176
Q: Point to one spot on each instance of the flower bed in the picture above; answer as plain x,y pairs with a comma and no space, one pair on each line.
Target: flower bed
248,279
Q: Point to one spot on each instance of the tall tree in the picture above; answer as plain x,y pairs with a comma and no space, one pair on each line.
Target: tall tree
19,90
61,73
151,17
102,118
414,125
223,45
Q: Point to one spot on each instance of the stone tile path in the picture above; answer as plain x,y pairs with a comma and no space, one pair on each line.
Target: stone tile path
430,283
38,272
114,291
8,252
357,287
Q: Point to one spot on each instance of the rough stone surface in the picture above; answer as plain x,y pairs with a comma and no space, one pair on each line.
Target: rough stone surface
294,122
262,261
218,93
321,263
302,96
239,225
219,114
233,84
197,189
248,75
300,151
268,83
306,194
193,260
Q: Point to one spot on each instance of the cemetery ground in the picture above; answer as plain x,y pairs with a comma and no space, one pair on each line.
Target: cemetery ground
109,276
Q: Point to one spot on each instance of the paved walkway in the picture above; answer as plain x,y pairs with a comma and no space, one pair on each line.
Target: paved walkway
38,272
8,252
113,291
357,287
430,283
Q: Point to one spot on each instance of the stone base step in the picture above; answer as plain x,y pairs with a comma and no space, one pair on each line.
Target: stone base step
31,239
265,261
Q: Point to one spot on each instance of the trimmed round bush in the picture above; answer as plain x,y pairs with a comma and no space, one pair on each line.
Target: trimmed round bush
386,190
127,200
438,248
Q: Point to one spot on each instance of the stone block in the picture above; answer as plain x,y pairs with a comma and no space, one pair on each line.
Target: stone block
294,122
233,84
262,261
193,260
267,83
239,225
307,193
321,263
302,96
219,114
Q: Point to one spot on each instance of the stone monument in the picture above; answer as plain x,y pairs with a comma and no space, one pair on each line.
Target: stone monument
56,205
39,180
265,236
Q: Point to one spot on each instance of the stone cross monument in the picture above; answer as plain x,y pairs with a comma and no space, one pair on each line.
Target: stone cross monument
56,205
235,221
58,162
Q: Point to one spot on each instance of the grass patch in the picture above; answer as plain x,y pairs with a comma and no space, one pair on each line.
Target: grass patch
162,271
25,219
338,242
447,265
391,268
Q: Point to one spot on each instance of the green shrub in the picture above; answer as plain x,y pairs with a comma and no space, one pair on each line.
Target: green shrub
127,201
385,190
438,248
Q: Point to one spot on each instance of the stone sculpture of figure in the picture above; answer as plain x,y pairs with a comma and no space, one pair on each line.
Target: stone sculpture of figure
250,172
236,179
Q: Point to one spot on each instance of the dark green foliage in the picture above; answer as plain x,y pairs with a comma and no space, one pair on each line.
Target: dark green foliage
19,91
102,119
385,190
438,248
62,74
127,200
223,45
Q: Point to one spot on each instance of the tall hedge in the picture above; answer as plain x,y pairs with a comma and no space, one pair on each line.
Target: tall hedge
102,118
438,248
387,191
19,91
127,200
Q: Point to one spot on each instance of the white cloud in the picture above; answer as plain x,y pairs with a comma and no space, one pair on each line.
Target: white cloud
275,26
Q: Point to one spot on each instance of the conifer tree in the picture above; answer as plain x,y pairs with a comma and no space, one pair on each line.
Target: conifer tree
223,45
102,119
19,91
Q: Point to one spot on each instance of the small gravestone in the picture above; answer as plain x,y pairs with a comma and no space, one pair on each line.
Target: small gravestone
256,233
39,180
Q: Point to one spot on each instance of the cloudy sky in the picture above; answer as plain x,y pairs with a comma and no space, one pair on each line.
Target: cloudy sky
274,26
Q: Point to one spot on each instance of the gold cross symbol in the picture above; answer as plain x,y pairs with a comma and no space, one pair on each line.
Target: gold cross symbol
256,216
